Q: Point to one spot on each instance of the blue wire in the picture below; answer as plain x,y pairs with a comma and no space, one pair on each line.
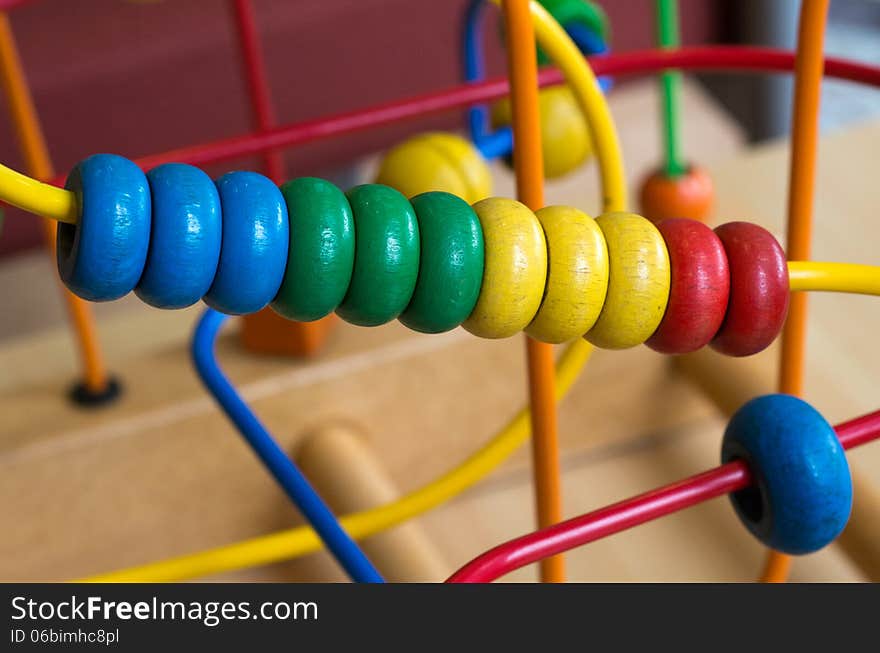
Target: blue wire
474,66
346,552
490,144
496,144
586,39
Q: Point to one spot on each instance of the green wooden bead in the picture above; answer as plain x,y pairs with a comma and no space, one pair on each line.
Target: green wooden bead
386,261
451,267
321,253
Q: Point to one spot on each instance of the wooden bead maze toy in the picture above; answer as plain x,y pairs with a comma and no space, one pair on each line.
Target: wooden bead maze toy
429,246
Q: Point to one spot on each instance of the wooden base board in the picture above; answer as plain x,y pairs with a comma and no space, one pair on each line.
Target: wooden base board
163,472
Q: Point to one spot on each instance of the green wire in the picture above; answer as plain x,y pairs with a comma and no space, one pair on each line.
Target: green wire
670,81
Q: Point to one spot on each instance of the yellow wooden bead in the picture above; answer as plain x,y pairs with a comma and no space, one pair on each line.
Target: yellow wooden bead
577,275
638,283
515,269
565,139
436,161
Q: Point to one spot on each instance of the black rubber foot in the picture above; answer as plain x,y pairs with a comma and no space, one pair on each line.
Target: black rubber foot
81,395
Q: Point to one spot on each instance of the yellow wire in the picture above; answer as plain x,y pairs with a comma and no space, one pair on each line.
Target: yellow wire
302,540
299,541
580,78
834,277
15,188
36,197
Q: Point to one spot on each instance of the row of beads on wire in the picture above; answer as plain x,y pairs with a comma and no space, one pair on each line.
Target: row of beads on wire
174,236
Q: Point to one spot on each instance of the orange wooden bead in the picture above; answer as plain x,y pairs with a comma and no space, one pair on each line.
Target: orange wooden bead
266,332
688,196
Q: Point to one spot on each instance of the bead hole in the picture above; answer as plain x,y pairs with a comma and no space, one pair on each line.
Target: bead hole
66,240
751,504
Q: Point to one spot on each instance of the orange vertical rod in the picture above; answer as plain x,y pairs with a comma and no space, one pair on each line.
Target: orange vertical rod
39,165
805,131
529,168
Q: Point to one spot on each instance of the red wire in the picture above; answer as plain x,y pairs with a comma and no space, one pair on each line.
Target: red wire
633,63
257,81
631,512
643,62
859,431
726,58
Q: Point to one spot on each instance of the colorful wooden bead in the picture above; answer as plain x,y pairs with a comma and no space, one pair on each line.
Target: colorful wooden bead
689,196
699,288
565,139
102,257
759,289
515,269
801,495
436,161
451,263
386,260
321,253
184,238
638,283
253,253
577,275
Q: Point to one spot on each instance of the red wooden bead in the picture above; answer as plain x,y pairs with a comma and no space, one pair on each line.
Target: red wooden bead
699,289
758,289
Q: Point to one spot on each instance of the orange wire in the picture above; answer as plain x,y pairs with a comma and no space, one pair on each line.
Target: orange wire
805,128
39,165
529,168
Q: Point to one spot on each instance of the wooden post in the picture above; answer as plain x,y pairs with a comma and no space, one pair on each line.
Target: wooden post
266,332
347,474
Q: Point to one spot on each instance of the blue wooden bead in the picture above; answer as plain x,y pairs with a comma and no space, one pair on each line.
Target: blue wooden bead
802,493
185,237
102,256
253,253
